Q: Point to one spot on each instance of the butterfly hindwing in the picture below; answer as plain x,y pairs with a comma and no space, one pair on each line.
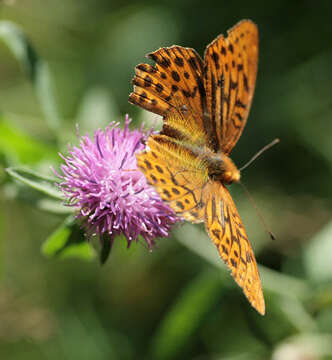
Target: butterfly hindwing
177,175
226,230
230,76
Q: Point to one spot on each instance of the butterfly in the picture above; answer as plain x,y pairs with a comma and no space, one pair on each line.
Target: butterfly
205,105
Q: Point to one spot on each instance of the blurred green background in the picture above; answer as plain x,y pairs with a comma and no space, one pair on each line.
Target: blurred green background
177,302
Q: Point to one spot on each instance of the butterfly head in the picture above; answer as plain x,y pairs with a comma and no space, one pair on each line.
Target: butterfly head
231,173
221,168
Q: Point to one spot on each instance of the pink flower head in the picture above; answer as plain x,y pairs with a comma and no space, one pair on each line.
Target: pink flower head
100,178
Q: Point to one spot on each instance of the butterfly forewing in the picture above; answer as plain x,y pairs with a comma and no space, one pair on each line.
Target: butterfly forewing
174,88
230,76
178,71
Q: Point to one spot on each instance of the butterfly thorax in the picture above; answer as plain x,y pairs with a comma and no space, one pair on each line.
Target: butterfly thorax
221,168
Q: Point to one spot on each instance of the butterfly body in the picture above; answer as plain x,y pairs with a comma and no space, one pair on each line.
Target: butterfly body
205,105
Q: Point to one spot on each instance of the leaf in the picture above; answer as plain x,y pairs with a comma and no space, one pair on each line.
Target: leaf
295,312
36,68
309,345
19,147
54,206
185,315
105,251
57,241
317,255
38,182
68,241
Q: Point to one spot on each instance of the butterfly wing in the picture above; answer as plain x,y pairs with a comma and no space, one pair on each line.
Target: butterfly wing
230,76
226,230
174,89
177,174
178,71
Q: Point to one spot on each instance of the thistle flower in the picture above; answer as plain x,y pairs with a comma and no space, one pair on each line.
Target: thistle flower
100,178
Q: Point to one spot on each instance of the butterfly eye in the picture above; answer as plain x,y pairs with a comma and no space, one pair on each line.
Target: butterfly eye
184,109
230,177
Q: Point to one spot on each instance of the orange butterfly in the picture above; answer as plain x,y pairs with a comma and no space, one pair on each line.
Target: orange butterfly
205,105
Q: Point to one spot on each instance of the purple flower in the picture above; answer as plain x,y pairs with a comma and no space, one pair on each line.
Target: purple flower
101,179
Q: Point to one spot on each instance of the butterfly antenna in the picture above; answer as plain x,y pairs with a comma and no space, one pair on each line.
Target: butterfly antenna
260,152
258,212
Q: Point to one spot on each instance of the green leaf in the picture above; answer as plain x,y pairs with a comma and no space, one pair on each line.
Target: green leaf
185,315
317,255
35,68
68,241
83,251
311,345
18,147
105,251
54,206
57,241
38,182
